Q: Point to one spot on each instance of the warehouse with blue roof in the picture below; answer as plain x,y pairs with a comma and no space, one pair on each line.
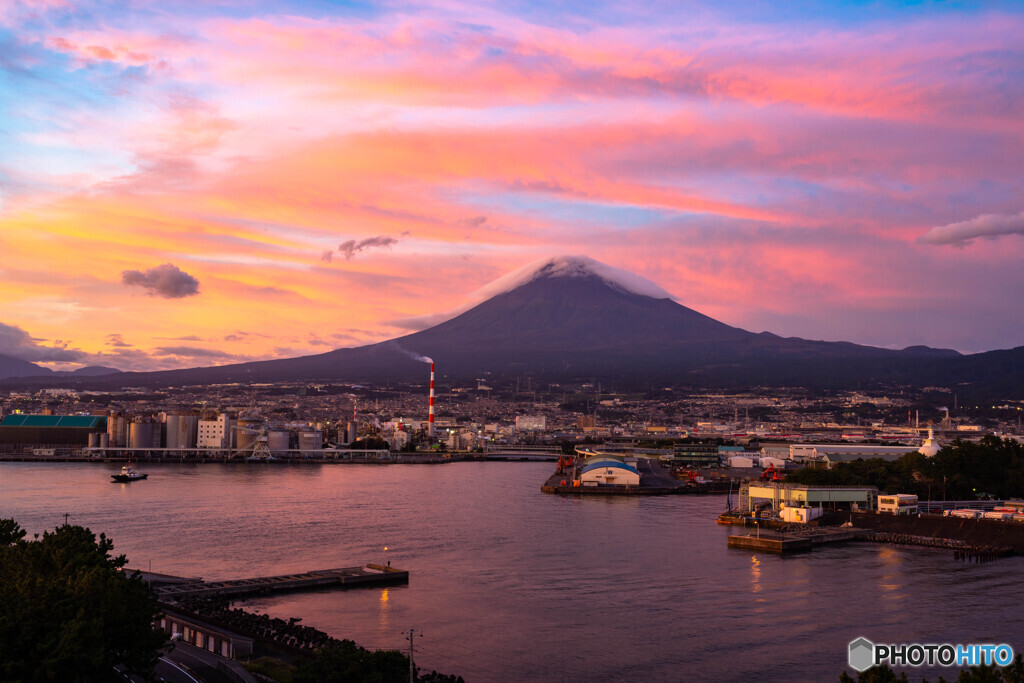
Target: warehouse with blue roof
608,472
50,430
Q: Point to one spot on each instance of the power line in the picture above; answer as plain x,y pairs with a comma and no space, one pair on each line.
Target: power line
409,636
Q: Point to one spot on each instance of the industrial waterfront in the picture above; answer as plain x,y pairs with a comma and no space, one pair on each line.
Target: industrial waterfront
507,582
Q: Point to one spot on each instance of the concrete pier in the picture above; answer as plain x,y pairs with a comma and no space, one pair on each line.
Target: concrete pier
347,577
799,541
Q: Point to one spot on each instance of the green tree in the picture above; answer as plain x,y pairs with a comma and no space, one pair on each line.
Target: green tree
346,661
67,610
960,471
876,674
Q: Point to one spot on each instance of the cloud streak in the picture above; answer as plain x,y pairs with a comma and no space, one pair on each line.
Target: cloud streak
986,225
18,343
350,248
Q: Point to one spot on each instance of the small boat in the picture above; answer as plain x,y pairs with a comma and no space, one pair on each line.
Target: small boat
128,474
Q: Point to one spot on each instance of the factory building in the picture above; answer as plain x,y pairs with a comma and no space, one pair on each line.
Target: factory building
783,495
215,433
843,452
50,430
696,454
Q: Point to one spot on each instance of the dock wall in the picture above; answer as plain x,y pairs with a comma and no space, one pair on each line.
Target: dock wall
977,532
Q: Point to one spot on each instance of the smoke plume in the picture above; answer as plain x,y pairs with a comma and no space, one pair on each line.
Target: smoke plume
414,356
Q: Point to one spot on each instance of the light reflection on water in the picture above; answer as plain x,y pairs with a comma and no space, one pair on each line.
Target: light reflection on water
508,583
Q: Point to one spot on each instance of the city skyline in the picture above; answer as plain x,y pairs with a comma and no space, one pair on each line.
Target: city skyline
207,185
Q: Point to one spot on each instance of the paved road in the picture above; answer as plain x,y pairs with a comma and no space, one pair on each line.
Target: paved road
189,664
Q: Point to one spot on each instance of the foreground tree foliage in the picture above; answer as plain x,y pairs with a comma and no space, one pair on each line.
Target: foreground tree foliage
68,612
1014,673
346,661
960,471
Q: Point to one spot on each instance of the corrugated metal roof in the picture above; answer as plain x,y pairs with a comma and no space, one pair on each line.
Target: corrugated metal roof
78,421
609,463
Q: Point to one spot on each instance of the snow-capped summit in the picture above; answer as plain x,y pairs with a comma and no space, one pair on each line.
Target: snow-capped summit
548,268
572,266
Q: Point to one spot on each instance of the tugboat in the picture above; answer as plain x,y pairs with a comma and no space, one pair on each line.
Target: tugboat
127,474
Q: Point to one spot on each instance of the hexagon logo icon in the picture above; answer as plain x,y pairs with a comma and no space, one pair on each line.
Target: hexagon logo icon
862,654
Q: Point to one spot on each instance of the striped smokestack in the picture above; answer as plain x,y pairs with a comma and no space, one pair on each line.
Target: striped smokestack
430,416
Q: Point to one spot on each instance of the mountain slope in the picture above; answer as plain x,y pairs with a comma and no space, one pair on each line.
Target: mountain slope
15,367
571,317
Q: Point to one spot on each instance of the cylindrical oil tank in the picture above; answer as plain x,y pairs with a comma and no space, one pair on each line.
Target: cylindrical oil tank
94,440
182,431
311,440
277,441
246,433
352,429
188,431
140,434
117,430
173,424
246,439
104,440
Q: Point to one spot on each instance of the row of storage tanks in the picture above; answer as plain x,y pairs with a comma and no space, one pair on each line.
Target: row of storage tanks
181,432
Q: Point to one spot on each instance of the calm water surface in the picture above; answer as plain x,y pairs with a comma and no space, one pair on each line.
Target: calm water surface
508,583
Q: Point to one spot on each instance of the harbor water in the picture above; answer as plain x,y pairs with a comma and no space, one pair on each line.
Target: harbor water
508,583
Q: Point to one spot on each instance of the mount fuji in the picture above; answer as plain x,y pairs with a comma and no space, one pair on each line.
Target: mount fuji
573,317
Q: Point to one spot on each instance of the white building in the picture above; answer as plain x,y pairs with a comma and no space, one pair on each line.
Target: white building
215,433
899,504
606,471
531,423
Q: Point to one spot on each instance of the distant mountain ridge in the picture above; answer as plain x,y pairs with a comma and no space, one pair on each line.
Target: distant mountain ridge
16,367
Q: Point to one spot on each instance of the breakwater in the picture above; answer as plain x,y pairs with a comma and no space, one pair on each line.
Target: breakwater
370,575
962,550
974,532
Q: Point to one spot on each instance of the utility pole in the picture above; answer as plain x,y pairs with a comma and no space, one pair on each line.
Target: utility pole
66,515
412,668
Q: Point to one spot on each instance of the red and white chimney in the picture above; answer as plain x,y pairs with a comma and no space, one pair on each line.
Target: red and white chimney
430,416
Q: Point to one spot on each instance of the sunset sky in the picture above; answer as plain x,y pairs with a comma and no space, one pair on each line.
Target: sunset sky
202,182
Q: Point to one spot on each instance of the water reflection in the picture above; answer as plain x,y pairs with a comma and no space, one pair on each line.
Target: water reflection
514,584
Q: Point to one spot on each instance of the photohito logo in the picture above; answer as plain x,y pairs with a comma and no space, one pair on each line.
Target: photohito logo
863,654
